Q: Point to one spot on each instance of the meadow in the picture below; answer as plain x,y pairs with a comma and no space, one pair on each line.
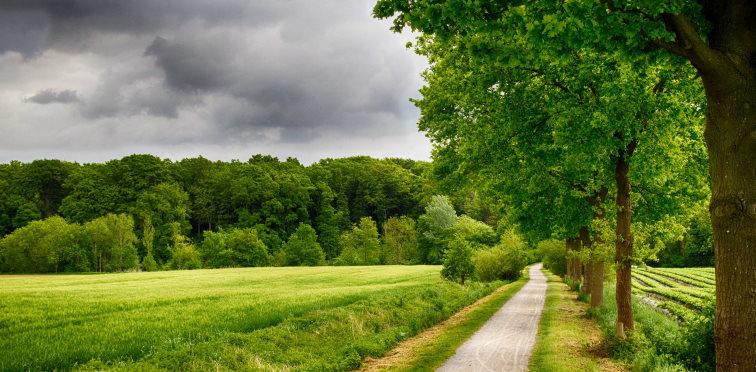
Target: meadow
311,318
680,292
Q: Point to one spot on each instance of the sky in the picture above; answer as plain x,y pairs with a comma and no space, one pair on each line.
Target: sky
93,80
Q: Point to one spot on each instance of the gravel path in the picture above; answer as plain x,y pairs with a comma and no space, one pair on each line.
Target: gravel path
505,342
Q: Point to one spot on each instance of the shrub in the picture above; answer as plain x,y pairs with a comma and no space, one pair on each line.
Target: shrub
554,256
302,248
499,263
458,264
184,255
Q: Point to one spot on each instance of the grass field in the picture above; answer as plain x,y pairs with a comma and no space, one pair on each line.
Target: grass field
322,318
682,292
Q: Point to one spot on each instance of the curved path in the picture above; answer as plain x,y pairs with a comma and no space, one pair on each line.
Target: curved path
505,342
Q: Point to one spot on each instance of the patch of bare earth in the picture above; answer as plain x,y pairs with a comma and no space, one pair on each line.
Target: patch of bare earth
409,347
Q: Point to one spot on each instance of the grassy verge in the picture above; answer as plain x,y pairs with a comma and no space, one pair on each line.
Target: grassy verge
658,342
567,339
323,318
432,348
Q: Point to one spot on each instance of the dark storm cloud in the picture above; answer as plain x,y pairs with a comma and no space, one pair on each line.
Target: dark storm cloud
287,70
46,96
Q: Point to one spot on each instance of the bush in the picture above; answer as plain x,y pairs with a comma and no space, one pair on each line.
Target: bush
185,256
554,256
499,263
302,248
458,264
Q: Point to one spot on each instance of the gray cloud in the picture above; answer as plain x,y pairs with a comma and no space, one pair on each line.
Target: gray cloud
46,96
241,71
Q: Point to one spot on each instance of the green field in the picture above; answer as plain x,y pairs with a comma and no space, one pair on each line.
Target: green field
682,292
256,318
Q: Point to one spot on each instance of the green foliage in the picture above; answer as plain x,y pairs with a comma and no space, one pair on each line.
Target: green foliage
44,246
361,245
435,228
554,256
111,242
458,264
184,255
302,248
167,205
148,239
400,244
505,261
479,234
234,248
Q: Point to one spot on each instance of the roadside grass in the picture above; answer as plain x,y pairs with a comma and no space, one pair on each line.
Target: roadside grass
568,340
430,349
320,318
658,342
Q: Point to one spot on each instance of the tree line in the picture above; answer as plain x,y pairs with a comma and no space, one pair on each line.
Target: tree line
143,212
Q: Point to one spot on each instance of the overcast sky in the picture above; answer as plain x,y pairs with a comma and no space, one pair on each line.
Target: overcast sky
92,80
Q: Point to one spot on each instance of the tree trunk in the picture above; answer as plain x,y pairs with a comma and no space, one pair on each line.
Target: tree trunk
731,140
596,260
573,244
585,239
624,241
597,282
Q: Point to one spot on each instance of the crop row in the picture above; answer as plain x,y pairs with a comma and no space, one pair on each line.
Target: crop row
686,278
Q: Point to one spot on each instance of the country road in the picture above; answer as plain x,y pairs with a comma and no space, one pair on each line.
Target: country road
506,341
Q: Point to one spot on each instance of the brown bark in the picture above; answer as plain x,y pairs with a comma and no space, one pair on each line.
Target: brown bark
727,65
596,262
624,240
573,244
731,140
586,244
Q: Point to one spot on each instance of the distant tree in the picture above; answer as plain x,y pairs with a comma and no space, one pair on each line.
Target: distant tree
168,207
435,227
184,255
302,248
148,240
476,232
44,246
111,242
458,264
400,241
361,245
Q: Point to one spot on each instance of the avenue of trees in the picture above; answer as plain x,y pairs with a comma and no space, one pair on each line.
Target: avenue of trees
609,125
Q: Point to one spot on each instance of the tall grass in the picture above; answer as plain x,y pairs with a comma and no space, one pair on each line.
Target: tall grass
658,342
262,318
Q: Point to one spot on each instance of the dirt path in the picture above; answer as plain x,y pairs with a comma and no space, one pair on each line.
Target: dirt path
505,342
